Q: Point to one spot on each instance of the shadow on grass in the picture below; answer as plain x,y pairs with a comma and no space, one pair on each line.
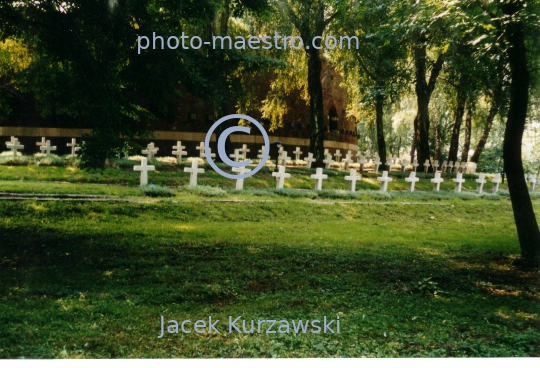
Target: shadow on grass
89,295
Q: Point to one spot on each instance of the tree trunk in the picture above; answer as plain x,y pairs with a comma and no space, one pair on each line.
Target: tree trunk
458,118
527,226
423,90
467,141
494,108
316,142
437,134
379,104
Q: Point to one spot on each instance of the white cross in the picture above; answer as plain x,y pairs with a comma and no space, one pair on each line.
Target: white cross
47,148
297,153
412,180
532,181
480,183
353,178
358,156
496,181
444,165
144,168
463,166
240,170
193,172
73,146
244,151
281,175
150,151
450,166
14,146
261,153
39,144
309,160
11,140
201,150
377,162
437,182
328,161
362,161
426,165
347,160
319,177
179,151
236,155
404,164
326,153
456,166
384,179
459,181
435,165
212,155
415,164
284,158
338,155
389,162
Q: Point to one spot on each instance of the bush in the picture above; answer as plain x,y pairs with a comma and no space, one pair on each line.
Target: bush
254,192
7,158
156,191
51,160
295,193
205,191
73,161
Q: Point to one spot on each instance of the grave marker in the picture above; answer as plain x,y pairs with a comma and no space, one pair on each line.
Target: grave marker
236,155
74,147
319,177
193,172
179,151
150,151
244,151
412,180
496,181
281,175
144,168
41,143
284,158
459,181
338,155
347,160
532,181
377,162
241,171
48,148
415,164
384,179
14,146
426,166
297,154
200,148
328,161
353,178
309,160
437,180
480,183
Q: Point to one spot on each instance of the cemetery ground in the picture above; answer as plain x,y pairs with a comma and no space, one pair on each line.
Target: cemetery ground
89,264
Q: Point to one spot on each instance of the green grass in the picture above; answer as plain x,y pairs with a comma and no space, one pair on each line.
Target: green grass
432,278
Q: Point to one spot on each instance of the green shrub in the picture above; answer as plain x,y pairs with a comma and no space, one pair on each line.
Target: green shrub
73,161
157,191
51,160
254,192
6,158
205,191
295,193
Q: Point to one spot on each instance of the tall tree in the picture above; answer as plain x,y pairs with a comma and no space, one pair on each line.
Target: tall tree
311,18
517,21
375,70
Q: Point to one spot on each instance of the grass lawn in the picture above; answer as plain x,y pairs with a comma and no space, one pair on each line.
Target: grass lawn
408,275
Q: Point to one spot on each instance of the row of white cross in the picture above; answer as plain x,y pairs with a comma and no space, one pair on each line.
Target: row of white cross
437,180
281,175
44,146
362,159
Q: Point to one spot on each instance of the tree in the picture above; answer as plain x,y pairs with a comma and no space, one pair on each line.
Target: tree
377,66
517,21
311,18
